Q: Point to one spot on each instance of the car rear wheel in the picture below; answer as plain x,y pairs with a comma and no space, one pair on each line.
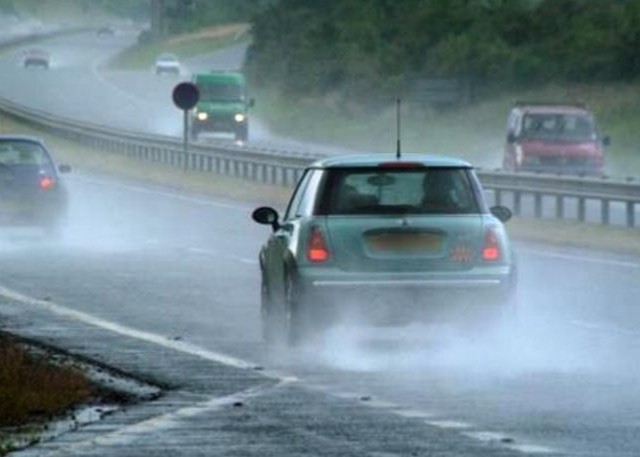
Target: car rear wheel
283,318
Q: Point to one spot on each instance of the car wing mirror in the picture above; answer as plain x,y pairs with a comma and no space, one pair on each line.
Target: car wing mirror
502,213
252,102
64,168
511,137
267,216
606,141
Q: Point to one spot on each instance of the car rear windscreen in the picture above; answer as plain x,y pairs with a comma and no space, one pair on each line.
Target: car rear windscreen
19,153
370,191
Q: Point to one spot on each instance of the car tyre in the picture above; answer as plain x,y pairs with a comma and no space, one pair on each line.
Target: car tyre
283,325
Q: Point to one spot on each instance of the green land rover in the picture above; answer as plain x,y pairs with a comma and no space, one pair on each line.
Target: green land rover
223,105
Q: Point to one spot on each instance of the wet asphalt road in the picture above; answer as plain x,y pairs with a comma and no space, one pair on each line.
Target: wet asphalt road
151,269
165,286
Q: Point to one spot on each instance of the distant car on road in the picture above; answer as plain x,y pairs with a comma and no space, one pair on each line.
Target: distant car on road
38,58
553,138
387,240
168,63
106,31
31,190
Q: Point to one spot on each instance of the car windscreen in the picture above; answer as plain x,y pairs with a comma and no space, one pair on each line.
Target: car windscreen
221,92
167,58
20,154
562,127
370,191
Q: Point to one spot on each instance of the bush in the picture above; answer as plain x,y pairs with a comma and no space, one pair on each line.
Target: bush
370,50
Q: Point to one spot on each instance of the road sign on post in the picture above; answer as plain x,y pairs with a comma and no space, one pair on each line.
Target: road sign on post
185,97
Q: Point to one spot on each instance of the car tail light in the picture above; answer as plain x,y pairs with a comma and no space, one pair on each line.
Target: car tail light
491,248
46,182
317,250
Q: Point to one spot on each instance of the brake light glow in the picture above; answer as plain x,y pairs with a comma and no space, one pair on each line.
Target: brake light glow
491,249
46,182
401,165
317,250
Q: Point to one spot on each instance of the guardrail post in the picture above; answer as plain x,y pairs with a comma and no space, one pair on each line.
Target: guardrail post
582,209
517,202
559,207
538,205
605,211
631,214
497,197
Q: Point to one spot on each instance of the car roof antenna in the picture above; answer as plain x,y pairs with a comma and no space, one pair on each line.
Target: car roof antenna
398,142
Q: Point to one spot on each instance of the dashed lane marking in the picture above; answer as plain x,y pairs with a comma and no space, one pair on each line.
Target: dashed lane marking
171,420
162,193
581,258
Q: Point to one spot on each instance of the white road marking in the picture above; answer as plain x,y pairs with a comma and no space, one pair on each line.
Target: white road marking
449,424
580,258
487,437
137,100
508,442
599,327
170,420
413,414
248,261
346,395
172,195
380,404
149,337
531,449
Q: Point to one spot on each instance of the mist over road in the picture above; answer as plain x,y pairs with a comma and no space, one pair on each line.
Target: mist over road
156,268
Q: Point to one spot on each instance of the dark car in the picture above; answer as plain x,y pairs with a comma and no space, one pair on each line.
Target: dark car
36,58
31,190
389,241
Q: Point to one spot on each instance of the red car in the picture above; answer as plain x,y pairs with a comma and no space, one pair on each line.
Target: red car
553,138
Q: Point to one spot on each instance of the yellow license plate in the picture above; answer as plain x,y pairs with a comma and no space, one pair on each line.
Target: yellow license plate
405,242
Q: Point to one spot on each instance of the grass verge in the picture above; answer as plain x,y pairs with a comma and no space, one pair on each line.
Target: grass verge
32,389
67,11
561,233
204,41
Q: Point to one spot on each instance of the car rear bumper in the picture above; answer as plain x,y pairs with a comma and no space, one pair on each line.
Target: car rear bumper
389,298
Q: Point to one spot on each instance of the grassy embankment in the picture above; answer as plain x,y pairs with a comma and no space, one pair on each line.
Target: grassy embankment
475,133
204,41
34,390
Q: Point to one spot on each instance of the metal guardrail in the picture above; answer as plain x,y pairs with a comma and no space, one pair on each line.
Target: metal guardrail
284,168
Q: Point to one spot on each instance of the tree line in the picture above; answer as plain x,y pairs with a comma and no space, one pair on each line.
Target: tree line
368,49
